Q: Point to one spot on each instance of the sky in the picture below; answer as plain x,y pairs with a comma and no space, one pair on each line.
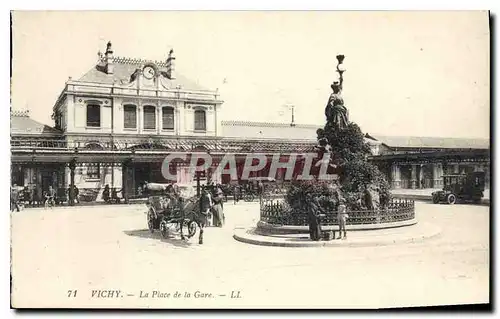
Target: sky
408,73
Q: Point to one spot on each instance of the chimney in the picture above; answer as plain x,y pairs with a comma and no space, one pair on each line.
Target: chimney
171,65
109,59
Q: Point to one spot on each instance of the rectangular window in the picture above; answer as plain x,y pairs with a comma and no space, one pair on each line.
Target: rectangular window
200,123
93,115
149,117
94,171
129,116
168,118
58,121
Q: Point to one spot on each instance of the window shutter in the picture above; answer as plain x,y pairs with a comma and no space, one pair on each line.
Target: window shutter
149,117
199,120
168,118
93,115
130,116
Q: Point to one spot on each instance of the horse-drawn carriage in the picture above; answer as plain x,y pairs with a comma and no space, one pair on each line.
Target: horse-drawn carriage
174,207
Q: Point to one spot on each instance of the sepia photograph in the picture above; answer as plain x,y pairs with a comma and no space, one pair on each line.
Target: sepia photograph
250,159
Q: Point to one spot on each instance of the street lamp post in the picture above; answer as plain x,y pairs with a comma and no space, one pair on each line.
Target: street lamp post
198,175
72,166
292,108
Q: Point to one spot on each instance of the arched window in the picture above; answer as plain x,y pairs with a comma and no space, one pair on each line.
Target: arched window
168,118
93,115
149,117
200,120
129,116
93,146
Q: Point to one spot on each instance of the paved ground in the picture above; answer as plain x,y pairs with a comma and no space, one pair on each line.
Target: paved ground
364,238
108,247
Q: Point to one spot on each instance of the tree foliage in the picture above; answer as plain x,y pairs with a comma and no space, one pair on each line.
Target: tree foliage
347,144
299,191
357,176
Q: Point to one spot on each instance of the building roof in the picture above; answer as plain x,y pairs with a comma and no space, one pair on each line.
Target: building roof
123,68
268,130
432,142
22,124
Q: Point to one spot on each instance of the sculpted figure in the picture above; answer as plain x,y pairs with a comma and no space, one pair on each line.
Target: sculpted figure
335,111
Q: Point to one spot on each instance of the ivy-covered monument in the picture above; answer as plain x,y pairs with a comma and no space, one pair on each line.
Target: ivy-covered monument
360,188
360,184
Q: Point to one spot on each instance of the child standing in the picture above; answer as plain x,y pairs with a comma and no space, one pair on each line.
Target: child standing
342,218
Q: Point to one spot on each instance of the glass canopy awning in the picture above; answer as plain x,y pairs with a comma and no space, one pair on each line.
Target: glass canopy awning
152,149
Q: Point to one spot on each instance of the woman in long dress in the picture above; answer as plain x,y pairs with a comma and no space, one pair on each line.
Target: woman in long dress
217,209
335,110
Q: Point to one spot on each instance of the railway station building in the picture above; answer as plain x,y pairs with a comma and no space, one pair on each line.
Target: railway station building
115,125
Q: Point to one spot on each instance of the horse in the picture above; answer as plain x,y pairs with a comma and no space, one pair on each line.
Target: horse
192,213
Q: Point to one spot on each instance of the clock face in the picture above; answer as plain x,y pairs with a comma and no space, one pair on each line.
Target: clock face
149,72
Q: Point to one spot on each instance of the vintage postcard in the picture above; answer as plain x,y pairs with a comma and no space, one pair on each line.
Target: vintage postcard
252,159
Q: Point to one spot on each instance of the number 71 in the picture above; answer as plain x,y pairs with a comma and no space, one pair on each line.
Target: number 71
72,293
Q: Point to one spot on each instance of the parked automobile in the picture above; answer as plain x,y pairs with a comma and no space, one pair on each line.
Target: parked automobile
461,187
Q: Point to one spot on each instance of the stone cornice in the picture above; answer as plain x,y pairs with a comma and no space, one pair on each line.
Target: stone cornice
71,83
147,97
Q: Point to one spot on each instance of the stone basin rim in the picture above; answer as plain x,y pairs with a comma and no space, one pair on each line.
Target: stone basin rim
278,229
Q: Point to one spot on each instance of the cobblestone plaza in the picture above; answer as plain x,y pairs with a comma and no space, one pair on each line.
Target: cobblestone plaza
120,253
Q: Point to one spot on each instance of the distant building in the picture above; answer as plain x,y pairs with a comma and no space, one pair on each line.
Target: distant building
407,162
421,162
121,106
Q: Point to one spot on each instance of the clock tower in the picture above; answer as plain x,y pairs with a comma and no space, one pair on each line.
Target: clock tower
150,74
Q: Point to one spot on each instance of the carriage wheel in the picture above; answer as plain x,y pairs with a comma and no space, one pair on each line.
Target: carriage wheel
191,227
151,221
249,198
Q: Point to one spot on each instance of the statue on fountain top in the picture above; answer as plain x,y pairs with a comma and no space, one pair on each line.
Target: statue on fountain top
335,111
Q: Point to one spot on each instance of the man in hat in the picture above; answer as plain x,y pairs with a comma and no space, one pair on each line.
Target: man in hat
314,209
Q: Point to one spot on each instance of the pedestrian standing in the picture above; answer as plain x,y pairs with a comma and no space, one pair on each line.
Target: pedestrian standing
14,198
75,194
106,194
32,195
314,210
49,197
342,219
236,193
39,195
217,209
260,186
